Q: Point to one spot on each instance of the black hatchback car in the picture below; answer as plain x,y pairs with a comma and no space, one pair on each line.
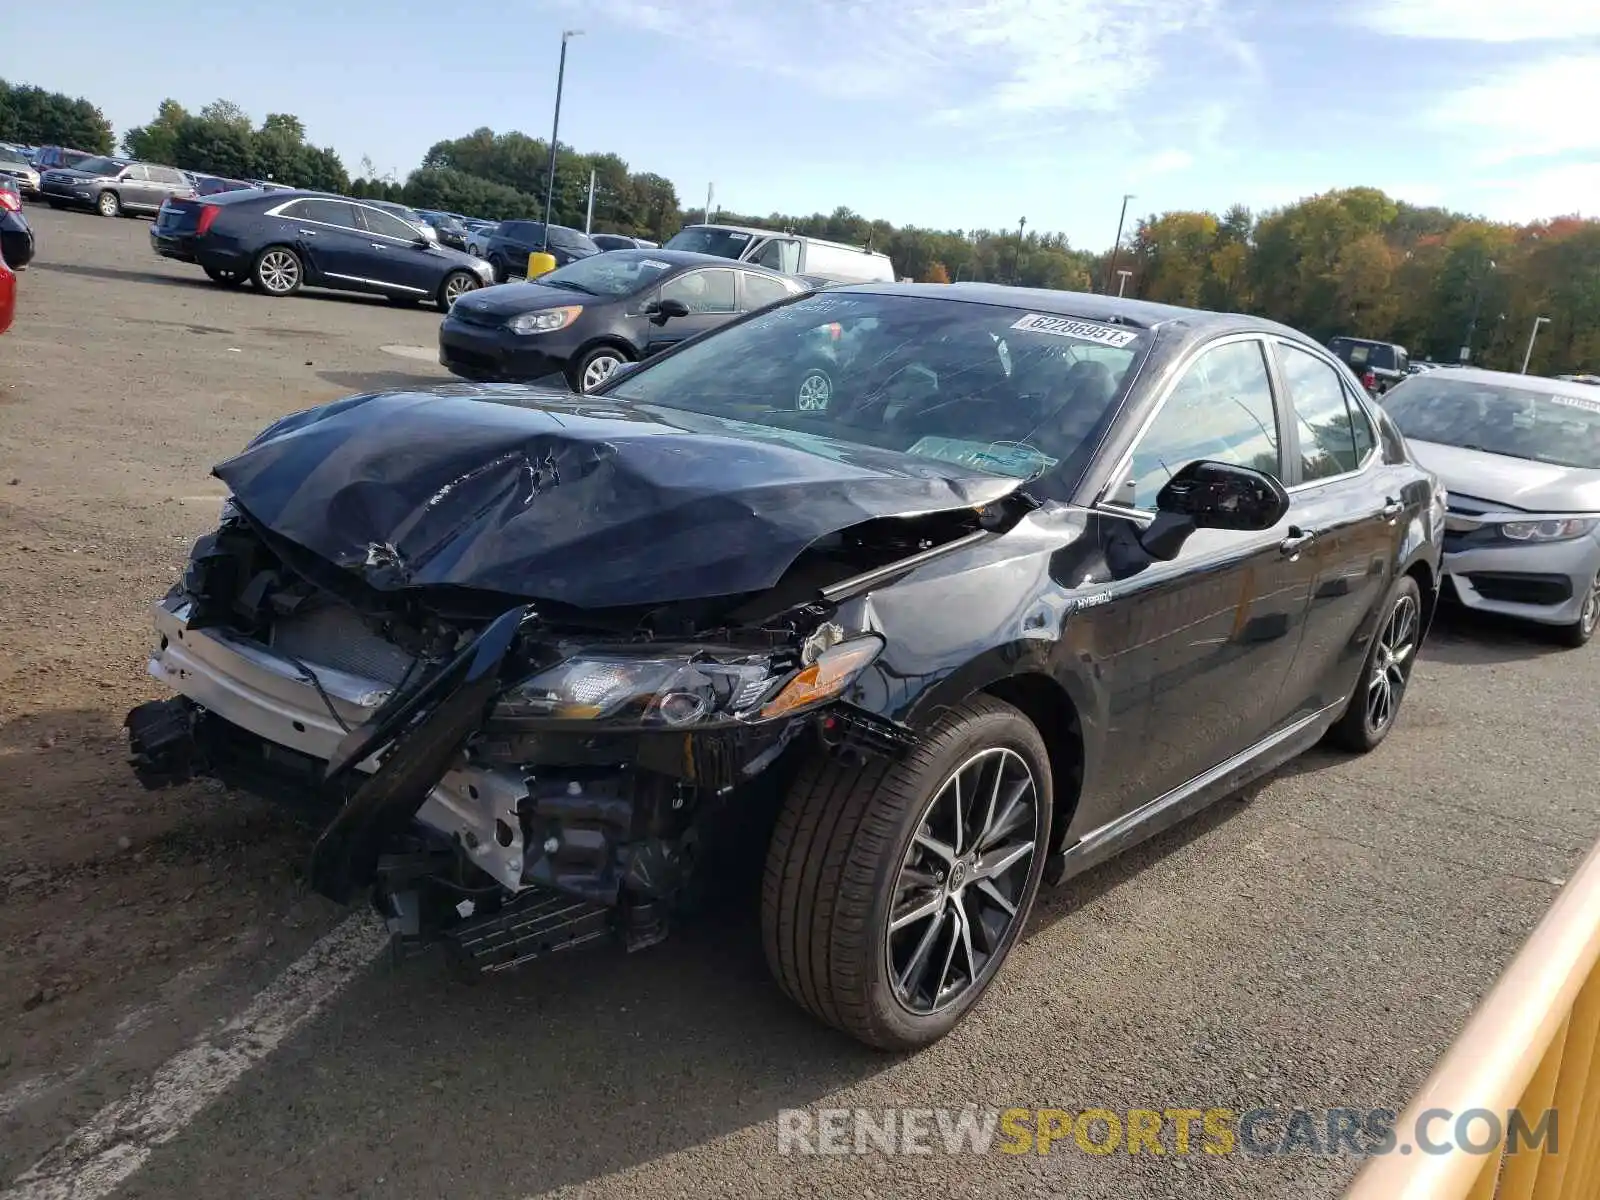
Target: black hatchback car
1047,573
284,240
513,241
588,318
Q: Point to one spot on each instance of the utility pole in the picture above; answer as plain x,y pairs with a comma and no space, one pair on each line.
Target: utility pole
1116,246
1016,266
555,132
710,188
1472,321
588,216
1528,354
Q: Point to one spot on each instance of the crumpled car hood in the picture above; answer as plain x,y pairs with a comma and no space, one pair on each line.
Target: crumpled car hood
585,501
1514,482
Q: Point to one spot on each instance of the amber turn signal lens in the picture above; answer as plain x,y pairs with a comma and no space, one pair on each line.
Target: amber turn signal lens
824,679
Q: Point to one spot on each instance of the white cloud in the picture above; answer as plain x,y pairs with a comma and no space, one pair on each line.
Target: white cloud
1537,109
991,59
1496,21
1565,190
1165,162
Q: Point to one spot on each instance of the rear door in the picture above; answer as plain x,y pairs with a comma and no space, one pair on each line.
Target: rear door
398,258
331,241
758,291
711,297
1344,495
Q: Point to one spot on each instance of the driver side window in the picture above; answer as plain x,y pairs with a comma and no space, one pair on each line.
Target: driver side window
1220,409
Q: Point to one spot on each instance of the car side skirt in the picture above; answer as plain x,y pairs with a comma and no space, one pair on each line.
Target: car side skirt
1164,811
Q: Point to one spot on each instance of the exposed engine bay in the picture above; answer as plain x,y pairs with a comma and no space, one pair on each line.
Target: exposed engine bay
508,775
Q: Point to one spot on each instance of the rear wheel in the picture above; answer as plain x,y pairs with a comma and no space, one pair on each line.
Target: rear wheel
1385,674
108,204
894,891
278,271
1583,629
455,285
223,277
498,266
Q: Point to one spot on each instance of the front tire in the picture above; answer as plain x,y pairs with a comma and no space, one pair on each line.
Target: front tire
278,271
455,285
1385,672
108,204
1580,632
894,891
594,368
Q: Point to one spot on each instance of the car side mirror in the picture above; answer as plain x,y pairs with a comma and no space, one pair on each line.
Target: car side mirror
1212,495
662,311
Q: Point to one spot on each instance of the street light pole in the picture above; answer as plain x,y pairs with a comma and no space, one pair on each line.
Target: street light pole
710,188
555,132
1472,321
1528,354
1122,280
1117,245
1016,266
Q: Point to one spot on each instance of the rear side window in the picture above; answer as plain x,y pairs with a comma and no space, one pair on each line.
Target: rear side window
761,290
135,173
1322,416
570,239
1361,430
325,212
520,231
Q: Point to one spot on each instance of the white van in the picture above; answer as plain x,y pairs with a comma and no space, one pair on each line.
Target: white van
786,252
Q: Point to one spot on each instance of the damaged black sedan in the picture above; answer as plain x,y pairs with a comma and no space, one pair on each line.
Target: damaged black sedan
1043,574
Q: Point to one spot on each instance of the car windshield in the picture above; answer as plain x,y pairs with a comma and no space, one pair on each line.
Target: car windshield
11,156
100,166
997,389
706,239
620,273
1563,430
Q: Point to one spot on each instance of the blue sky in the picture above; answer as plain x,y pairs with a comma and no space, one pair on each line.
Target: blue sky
950,113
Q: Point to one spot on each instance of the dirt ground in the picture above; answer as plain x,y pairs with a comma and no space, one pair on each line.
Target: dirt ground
1317,942
124,379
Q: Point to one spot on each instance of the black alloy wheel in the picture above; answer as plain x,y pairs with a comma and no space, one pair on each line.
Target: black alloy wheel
895,889
1386,673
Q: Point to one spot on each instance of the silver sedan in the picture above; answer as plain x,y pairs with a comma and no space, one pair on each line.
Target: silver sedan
1520,458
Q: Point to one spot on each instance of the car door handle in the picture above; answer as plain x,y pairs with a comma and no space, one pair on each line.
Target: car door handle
308,233
1392,508
379,246
1297,541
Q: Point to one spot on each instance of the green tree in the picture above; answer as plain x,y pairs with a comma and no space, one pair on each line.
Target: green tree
158,141
36,117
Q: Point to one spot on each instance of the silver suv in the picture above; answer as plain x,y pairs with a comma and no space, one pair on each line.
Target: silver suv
113,186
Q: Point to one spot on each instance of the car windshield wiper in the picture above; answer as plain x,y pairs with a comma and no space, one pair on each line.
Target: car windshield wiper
570,286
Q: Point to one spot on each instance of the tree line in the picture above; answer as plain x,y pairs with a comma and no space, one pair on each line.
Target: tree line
1353,261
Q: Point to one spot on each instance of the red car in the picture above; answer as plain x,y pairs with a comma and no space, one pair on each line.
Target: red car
8,296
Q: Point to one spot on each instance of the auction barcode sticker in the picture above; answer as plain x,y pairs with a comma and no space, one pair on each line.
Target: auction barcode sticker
1088,331
1582,402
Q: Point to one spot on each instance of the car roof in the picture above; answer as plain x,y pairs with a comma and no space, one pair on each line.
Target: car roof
688,258
1528,383
1088,306
804,237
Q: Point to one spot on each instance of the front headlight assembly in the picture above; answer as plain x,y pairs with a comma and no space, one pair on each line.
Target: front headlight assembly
545,321
1559,529
694,689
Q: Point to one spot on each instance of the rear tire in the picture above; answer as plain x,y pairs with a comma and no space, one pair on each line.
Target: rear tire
1581,631
498,266
278,271
108,204
867,876
1385,673
814,390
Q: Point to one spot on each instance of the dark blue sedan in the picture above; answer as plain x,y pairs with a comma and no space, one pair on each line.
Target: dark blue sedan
284,240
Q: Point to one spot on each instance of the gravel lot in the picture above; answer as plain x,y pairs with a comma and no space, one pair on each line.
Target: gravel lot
1317,942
